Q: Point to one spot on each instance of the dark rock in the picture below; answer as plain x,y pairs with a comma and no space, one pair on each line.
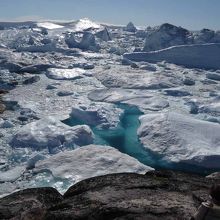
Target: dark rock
29,203
158,194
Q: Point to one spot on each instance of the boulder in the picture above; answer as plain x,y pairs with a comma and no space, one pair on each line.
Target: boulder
158,194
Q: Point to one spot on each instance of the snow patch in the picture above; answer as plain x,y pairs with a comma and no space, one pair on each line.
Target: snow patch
65,74
49,25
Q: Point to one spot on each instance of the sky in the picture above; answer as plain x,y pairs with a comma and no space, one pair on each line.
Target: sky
191,14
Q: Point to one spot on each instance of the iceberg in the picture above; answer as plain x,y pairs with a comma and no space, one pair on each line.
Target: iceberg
49,133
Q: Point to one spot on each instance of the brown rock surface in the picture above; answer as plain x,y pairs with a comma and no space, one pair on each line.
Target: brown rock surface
158,194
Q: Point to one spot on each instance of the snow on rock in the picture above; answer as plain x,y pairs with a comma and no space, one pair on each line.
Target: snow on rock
49,25
181,138
89,161
130,27
192,56
65,74
51,133
165,36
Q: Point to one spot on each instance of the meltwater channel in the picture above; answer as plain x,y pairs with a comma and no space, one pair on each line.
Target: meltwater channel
125,139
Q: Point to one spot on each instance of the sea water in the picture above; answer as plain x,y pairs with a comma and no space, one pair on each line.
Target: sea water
124,138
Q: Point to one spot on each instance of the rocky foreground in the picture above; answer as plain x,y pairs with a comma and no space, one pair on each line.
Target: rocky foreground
168,194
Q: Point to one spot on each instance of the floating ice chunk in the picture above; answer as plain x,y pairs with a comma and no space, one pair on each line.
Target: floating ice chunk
181,138
12,175
129,97
34,159
94,115
51,133
65,74
89,161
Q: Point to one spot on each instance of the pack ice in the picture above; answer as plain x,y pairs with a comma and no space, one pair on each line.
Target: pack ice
181,138
50,133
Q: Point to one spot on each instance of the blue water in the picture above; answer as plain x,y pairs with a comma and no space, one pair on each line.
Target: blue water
125,139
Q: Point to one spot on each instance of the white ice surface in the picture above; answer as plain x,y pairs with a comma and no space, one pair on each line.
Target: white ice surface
49,25
12,174
51,133
64,74
191,56
181,138
89,161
